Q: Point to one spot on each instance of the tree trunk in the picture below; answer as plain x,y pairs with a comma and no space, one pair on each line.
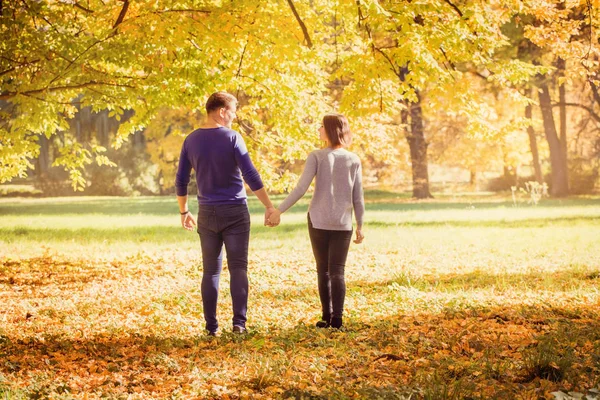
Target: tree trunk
473,177
562,99
418,151
508,174
506,171
102,128
533,144
558,162
43,161
595,91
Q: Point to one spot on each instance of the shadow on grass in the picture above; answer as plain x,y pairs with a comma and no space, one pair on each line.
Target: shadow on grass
163,205
40,271
424,355
175,234
547,281
106,206
568,279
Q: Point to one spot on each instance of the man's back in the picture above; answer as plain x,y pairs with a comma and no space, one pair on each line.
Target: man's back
217,155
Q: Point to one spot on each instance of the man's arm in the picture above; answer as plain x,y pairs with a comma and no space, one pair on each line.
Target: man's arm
264,199
187,219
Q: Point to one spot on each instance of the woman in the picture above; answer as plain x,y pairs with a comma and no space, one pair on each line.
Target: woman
338,190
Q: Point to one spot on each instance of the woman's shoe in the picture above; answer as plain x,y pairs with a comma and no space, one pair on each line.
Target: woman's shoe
336,323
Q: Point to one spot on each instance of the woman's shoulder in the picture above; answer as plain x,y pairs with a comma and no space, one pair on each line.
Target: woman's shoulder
353,156
319,153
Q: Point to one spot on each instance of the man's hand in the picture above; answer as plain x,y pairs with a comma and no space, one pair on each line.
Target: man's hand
268,212
188,222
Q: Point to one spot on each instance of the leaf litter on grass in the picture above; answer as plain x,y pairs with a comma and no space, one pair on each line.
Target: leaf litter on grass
431,312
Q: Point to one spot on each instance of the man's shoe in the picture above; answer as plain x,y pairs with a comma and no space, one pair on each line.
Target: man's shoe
322,324
212,333
240,330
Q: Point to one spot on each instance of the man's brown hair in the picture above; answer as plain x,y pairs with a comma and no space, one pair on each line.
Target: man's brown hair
220,100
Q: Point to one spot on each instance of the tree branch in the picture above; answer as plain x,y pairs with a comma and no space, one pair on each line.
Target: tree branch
122,13
480,74
239,71
71,62
595,116
590,8
87,10
447,59
360,16
176,10
8,95
460,13
194,44
302,25
449,62
455,7
21,64
256,81
389,60
7,70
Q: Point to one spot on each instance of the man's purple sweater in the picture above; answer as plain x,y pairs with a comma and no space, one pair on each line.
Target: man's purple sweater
217,155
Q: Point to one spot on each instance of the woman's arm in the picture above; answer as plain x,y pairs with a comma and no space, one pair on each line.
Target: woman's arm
358,203
310,170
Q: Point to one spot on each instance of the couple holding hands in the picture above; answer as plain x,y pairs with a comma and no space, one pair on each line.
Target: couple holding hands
221,162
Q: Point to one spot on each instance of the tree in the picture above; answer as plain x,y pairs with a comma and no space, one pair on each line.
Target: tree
58,57
403,57
564,33
288,62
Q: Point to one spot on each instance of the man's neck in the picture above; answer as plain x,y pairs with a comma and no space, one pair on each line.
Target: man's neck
212,123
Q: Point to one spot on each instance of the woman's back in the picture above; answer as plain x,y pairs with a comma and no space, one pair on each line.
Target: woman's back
336,189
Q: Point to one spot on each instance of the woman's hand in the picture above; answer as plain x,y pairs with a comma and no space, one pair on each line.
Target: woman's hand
274,218
359,236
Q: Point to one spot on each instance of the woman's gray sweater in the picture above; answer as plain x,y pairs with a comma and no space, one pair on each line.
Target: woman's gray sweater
338,189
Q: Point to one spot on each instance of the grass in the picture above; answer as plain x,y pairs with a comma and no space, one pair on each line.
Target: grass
458,297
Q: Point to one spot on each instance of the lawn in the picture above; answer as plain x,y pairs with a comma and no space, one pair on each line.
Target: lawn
470,296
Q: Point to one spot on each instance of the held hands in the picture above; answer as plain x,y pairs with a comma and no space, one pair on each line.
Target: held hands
272,217
188,222
359,236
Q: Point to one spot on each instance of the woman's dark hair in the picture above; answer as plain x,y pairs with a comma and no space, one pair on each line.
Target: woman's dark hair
220,100
337,129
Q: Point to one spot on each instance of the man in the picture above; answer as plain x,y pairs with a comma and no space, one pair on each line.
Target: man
220,159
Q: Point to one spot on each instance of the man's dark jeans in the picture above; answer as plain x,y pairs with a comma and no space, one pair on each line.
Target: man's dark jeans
331,250
229,225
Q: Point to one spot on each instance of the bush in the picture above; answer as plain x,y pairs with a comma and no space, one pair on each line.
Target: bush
506,182
54,182
134,174
19,190
583,176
